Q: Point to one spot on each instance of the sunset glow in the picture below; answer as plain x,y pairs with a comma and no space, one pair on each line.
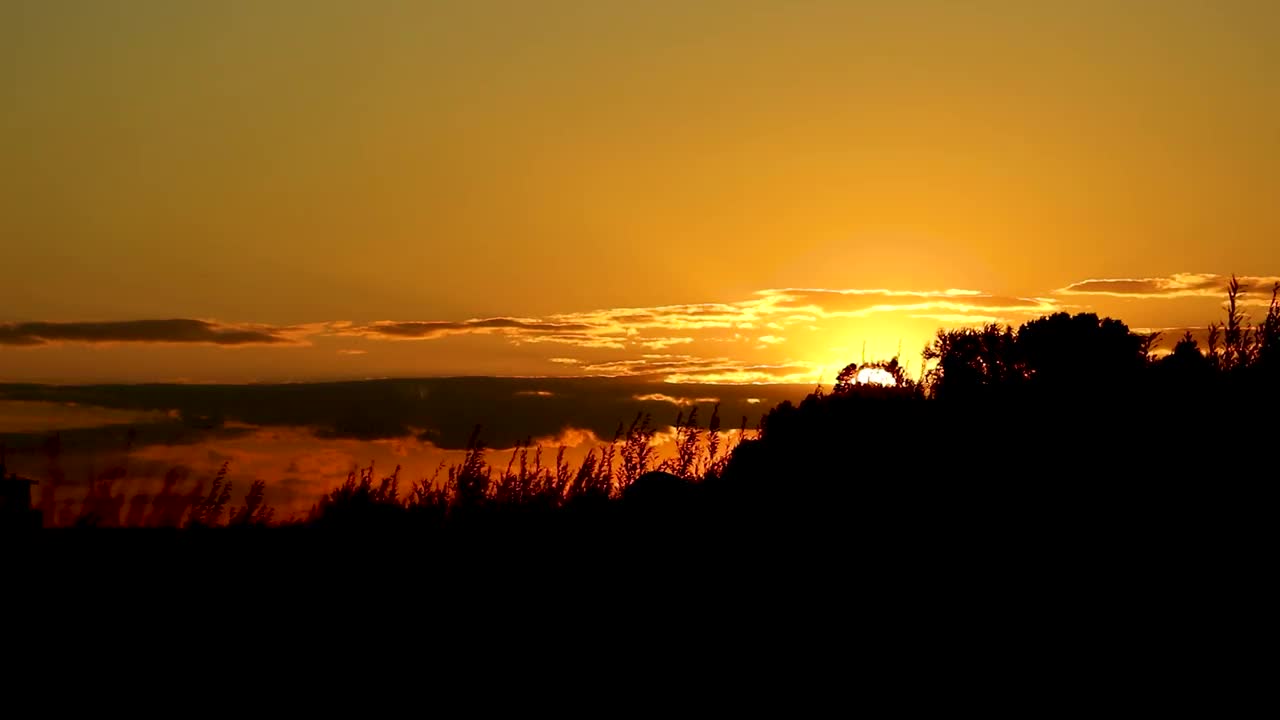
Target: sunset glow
309,184
504,213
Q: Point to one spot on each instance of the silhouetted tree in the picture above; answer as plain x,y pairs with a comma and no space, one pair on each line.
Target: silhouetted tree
1186,356
1079,352
973,362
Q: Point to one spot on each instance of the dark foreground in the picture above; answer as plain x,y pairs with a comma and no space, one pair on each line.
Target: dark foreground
1069,563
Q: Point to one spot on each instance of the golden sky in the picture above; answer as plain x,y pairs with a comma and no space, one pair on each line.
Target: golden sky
719,189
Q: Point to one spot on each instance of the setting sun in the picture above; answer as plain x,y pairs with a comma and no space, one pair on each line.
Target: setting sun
875,376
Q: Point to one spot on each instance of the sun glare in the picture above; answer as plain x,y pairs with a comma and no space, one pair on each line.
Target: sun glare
875,376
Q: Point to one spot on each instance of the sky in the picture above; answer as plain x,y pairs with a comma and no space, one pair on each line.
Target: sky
695,191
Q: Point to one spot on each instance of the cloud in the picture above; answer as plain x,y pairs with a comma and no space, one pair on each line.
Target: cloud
570,437
582,340
765,324
142,331
661,397
820,303
692,369
790,373
518,330
630,331
611,328
1173,286
651,328
663,326
431,329
678,401
38,417
664,342
959,319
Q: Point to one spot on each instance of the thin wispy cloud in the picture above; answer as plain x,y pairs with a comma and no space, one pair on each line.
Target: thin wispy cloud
860,303
1172,286
959,319
678,401
582,340
695,369
660,343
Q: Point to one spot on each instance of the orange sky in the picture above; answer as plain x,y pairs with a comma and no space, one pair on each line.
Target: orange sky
329,189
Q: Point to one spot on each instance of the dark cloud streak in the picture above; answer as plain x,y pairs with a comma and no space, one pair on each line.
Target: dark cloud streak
425,330
441,410
177,330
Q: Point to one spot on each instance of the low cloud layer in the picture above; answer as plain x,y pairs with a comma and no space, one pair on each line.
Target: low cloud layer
694,369
756,321
139,331
774,335
443,411
427,330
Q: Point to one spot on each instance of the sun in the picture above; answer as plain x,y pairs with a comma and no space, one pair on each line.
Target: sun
875,376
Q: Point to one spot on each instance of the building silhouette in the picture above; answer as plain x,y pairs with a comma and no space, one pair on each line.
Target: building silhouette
15,502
